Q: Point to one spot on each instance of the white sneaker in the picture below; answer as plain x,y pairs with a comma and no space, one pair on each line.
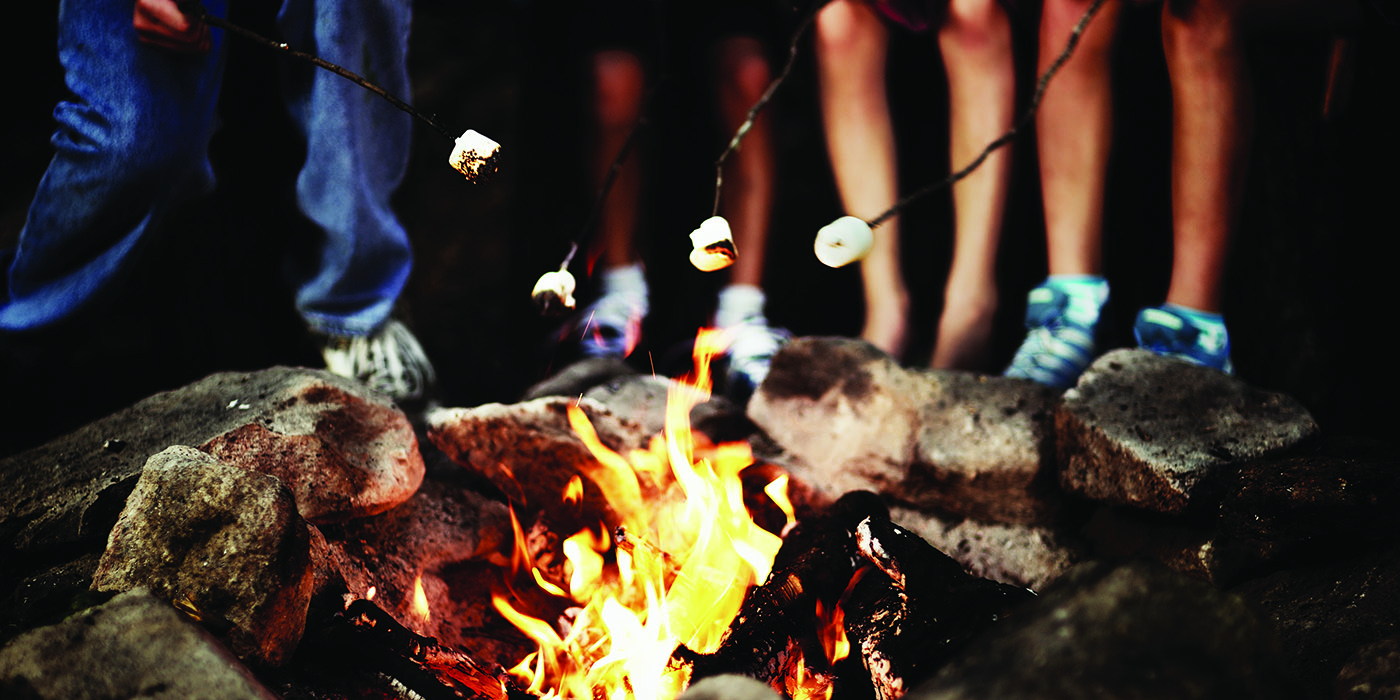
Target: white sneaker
611,326
752,345
390,361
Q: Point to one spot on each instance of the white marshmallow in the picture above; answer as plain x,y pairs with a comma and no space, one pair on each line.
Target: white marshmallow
714,245
553,289
474,156
844,241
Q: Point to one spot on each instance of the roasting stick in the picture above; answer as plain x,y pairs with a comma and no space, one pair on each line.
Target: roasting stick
473,155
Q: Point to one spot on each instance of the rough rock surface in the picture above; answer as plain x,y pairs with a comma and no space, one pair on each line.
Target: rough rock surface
222,540
344,452
1130,631
440,534
529,450
1372,674
581,376
1197,549
1032,556
133,646
1326,611
969,445
1143,430
71,490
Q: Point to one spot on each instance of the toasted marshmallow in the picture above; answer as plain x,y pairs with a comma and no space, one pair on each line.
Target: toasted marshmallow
714,245
474,156
554,292
844,241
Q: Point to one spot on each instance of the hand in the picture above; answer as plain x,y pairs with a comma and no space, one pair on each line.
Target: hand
161,23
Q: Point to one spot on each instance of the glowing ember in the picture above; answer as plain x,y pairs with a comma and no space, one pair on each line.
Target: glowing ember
676,572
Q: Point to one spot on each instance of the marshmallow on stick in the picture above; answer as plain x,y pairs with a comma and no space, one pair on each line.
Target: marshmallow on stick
844,241
554,292
474,156
714,245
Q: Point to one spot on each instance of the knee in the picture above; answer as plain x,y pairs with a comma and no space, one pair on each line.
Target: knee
975,23
619,80
1193,29
744,72
845,27
127,139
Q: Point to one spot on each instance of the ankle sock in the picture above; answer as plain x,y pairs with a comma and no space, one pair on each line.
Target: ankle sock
627,281
739,303
1086,294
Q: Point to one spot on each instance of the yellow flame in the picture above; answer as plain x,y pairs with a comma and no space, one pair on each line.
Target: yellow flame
688,560
420,599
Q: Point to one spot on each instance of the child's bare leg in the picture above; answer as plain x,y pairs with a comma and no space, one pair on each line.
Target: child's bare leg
743,75
1074,129
851,43
618,83
1211,116
976,43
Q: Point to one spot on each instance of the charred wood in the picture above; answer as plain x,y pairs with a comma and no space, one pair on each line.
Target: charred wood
925,608
367,639
815,563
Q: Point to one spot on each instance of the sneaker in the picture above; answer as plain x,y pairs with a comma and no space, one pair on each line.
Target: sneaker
1173,331
389,361
752,345
610,326
1060,343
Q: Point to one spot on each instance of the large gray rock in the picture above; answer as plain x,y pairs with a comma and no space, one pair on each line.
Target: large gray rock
223,541
1145,431
133,646
965,444
1133,631
363,453
1031,556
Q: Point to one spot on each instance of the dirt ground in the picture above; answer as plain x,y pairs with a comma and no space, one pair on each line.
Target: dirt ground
1307,283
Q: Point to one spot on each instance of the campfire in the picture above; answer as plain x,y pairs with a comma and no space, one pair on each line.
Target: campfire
554,548
651,570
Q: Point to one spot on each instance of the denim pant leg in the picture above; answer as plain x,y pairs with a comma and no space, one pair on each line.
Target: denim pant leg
357,152
133,136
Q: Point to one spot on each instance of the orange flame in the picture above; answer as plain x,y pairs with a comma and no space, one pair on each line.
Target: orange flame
832,633
573,491
677,573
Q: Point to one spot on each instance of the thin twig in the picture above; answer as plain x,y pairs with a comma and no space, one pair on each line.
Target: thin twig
762,102
194,9
1011,133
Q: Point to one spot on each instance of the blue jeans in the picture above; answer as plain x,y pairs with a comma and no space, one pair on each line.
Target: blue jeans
134,137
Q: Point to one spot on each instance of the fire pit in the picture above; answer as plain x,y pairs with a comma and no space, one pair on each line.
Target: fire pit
557,547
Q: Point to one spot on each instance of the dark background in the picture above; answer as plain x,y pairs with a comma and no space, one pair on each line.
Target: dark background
1308,291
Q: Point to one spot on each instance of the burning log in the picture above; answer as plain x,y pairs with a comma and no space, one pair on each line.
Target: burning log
413,666
925,608
814,566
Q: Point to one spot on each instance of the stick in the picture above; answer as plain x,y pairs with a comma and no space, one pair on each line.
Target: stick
1010,134
194,9
762,102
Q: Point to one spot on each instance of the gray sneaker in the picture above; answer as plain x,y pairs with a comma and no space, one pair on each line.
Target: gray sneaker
389,361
